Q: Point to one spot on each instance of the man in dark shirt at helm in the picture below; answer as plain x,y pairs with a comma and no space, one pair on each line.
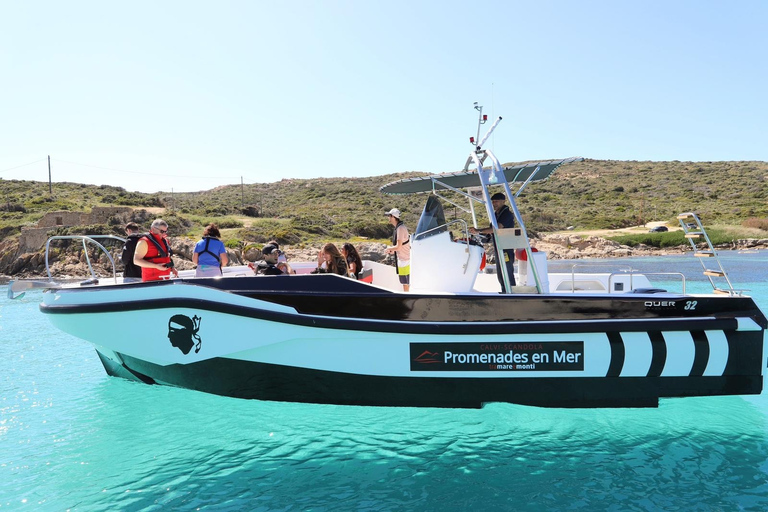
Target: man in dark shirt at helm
504,219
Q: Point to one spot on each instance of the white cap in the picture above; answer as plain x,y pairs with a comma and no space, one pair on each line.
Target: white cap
394,212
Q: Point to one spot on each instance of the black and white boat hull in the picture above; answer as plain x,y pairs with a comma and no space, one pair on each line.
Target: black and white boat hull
230,339
594,339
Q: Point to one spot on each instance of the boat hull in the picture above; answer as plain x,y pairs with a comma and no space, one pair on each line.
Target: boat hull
264,381
253,343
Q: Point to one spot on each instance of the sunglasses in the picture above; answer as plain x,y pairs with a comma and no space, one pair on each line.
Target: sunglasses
163,231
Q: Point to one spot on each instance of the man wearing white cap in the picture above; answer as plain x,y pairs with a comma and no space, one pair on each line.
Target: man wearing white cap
401,248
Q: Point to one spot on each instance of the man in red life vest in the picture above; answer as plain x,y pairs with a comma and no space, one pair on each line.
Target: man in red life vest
153,253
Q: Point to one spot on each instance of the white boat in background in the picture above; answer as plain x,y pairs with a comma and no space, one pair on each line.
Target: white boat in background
579,339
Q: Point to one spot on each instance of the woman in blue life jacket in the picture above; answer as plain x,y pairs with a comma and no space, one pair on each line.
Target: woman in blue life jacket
210,254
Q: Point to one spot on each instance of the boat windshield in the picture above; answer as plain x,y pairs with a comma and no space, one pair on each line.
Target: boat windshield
432,217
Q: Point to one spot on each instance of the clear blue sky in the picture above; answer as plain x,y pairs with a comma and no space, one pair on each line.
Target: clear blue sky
191,95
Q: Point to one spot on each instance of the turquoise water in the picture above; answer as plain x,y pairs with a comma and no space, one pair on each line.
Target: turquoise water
72,438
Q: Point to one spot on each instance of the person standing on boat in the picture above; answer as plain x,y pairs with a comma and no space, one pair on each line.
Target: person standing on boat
153,253
132,272
210,254
401,248
504,219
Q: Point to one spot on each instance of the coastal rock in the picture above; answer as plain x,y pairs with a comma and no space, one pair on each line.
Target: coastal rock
235,256
183,247
570,247
72,262
252,254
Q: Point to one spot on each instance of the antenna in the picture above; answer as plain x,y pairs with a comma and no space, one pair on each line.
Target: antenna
481,119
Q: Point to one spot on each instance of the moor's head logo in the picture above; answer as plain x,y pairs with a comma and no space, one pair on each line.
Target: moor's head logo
182,332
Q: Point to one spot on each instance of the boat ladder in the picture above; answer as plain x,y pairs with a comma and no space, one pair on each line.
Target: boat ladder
694,232
506,239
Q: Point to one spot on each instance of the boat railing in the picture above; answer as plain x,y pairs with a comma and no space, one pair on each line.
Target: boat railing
623,270
446,227
646,274
18,287
85,239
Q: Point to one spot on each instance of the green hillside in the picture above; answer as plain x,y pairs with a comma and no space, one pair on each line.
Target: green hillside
594,194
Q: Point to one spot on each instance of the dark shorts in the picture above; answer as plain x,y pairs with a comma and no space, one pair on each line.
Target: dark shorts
403,272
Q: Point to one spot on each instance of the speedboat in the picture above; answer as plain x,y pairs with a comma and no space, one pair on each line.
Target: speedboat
573,339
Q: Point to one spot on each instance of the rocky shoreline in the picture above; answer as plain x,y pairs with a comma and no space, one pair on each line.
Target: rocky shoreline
72,262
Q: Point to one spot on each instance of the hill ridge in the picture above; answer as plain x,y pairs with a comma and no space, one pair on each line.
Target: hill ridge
591,194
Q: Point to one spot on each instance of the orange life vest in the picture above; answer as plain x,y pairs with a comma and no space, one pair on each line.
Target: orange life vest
158,251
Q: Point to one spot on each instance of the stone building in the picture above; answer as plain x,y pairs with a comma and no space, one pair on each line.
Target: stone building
33,239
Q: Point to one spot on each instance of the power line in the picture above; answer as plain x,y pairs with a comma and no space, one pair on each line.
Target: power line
241,178
144,173
23,165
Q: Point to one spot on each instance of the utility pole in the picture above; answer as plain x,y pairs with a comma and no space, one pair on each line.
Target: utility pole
50,186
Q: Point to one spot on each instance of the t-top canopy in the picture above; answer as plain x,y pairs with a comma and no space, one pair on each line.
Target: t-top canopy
465,179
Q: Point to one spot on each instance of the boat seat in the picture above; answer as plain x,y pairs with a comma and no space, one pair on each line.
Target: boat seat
366,275
648,290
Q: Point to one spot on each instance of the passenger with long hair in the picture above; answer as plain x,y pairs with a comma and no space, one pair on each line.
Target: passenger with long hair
330,261
352,257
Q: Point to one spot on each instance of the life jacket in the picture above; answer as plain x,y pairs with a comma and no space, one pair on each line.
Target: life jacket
394,234
394,238
267,269
126,257
158,251
205,249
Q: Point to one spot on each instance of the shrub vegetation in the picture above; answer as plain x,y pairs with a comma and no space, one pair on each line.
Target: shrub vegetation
593,194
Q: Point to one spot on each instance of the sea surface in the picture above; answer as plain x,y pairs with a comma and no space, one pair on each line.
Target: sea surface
72,438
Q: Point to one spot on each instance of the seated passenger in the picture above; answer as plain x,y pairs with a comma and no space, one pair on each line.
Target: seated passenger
282,258
330,261
270,266
351,256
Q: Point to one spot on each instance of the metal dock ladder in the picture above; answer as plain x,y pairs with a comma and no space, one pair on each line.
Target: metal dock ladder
713,268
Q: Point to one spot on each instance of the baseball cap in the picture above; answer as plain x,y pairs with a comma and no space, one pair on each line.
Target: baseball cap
269,249
393,212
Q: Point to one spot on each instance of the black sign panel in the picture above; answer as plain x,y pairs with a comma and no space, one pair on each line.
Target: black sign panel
498,356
